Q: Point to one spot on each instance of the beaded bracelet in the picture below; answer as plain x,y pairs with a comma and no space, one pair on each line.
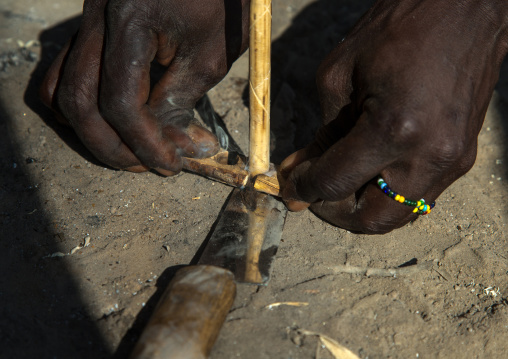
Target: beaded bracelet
420,207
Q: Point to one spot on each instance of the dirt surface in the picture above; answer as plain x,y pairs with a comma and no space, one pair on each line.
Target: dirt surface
449,302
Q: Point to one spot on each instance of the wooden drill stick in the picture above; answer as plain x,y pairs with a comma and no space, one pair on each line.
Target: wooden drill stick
259,142
259,91
259,85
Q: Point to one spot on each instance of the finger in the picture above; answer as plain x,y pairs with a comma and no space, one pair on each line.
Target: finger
124,94
75,97
156,134
326,137
51,80
289,196
334,83
298,157
175,95
378,140
191,139
417,175
92,22
104,142
372,211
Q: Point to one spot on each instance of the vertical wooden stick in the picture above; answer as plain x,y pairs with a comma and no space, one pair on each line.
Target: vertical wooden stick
259,81
256,233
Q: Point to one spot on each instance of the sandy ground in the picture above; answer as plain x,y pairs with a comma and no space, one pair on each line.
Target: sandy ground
94,302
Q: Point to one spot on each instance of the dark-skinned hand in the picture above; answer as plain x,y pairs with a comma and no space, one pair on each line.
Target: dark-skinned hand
100,82
403,97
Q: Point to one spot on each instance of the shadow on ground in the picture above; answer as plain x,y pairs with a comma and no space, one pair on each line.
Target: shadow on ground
41,307
501,104
52,41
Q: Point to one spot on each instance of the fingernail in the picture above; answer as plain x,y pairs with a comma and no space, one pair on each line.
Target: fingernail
297,206
205,141
164,172
291,162
137,169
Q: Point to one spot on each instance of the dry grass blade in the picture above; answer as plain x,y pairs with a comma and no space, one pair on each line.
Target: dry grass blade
337,350
291,304
382,272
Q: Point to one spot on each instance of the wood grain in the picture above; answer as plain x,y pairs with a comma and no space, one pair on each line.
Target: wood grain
259,85
189,315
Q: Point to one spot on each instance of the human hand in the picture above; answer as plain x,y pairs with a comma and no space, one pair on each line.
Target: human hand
100,82
404,97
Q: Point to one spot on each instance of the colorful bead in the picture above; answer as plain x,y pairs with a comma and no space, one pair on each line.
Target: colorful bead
420,207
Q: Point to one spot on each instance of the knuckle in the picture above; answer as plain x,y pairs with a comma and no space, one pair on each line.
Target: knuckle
461,162
214,70
333,79
127,13
454,151
328,189
369,225
117,10
75,102
334,83
404,128
331,68
92,7
325,79
449,152
113,107
46,91
467,161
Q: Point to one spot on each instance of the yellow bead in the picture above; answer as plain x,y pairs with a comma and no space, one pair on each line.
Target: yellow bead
421,208
415,210
397,197
419,204
402,199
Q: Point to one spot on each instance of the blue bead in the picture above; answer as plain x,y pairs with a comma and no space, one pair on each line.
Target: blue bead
386,190
383,185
